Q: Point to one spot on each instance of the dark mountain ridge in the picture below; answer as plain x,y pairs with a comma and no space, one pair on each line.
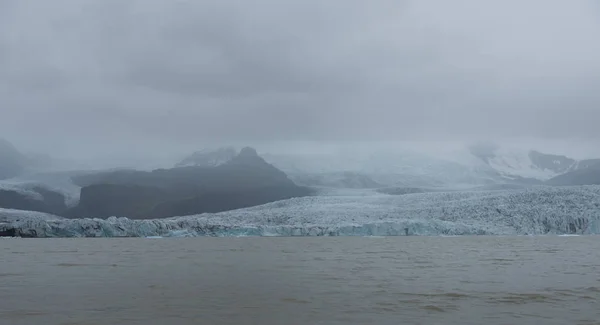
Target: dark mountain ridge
246,180
590,175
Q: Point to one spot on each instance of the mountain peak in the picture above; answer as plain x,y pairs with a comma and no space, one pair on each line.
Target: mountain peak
208,158
248,156
248,152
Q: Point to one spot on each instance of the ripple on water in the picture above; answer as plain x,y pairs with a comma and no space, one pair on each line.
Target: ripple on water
304,281
525,298
4,275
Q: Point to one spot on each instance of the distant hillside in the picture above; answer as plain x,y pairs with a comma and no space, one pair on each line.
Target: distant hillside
583,164
246,180
532,166
583,176
556,163
36,198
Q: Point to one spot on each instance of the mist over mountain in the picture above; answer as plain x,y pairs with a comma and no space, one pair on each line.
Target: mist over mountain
476,165
586,174
335,180
242,181
395,165
553,169
216,179
12,162
208,158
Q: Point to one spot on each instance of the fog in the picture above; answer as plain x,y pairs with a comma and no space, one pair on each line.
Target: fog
154,78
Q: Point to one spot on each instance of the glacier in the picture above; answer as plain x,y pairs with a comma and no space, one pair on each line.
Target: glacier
59,182
532,211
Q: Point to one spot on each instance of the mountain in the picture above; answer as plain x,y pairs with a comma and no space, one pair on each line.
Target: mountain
12,162
587,174
532,166
385,168
583,164
520,164
245,180
556,163
208,158
36,198
475,166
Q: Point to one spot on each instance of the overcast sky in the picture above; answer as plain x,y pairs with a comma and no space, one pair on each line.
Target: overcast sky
131,74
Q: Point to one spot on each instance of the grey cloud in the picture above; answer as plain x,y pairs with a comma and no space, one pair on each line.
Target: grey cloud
75,72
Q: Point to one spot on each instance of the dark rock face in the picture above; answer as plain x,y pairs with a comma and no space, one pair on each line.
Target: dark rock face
248,152
556,163
51,202
212,202
586,163
135,201
11,160
245,180
585,176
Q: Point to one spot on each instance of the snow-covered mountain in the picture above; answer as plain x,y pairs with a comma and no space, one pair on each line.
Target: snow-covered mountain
388,168
398,166
528,164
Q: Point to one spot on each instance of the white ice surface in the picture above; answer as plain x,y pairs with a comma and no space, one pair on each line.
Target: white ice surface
59,182
518,163
544,210
23,189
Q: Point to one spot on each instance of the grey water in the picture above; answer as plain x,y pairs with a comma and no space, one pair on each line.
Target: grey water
314,280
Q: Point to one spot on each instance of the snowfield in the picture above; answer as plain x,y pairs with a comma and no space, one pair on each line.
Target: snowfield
535,211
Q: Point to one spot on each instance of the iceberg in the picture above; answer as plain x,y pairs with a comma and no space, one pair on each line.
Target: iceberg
532,211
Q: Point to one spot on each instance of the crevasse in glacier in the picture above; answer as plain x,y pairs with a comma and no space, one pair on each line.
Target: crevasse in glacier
535,211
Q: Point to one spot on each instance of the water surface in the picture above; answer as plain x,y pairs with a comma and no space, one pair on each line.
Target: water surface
315,280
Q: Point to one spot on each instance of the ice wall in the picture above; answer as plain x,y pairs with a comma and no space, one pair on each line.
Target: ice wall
537,211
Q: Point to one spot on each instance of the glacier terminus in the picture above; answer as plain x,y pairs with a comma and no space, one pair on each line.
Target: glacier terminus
533,211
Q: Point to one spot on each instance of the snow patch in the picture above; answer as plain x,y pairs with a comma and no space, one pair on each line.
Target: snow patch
518,163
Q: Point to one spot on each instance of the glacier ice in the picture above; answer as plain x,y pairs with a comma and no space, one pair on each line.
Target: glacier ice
534,211
57,182
10,215
23,189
